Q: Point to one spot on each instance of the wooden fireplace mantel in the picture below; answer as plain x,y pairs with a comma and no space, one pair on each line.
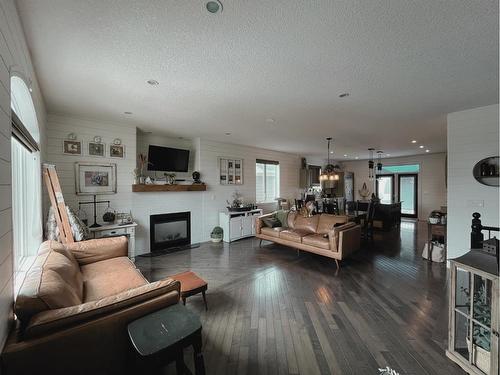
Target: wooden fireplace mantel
150,188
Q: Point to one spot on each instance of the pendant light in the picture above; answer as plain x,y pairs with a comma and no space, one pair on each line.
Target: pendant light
379,163
329,173
371,164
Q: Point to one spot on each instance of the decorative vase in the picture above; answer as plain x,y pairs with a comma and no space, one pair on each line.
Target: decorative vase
484,169
492,170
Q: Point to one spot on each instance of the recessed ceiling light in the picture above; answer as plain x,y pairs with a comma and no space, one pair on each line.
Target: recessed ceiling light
127,113
414,141
227,133
153,82
345,155
344,95
357,157
331,152
421,146
214,6
427,150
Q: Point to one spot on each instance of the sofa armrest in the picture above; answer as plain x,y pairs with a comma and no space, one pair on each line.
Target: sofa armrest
259,223
92,251
349,241
335,234
66,317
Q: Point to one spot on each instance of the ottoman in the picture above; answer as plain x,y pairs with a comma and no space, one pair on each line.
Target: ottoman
191,284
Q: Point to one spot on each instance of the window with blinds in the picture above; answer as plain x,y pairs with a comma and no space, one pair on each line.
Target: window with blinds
267,178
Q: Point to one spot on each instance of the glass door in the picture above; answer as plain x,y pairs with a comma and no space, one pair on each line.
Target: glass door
385,188
408,196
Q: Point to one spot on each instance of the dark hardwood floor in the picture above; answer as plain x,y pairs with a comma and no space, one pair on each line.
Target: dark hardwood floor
272,311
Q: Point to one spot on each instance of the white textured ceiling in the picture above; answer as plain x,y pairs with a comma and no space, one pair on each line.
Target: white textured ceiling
405,63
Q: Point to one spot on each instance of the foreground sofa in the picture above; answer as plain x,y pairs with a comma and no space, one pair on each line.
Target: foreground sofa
317,234
74,306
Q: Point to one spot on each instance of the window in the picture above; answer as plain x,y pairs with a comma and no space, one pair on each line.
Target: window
26,180
267,177
405,168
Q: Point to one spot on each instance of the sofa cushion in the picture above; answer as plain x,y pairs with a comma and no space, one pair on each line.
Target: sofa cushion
272,232
327,222
291,219
294,235
308,224
282,216
108,277
317,240
53,281
271,222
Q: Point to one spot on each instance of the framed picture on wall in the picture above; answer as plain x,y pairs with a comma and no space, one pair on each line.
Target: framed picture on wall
72,147
96,149
230,171
91,178
117,151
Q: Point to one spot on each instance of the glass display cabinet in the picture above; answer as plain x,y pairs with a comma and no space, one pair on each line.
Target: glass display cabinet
474,313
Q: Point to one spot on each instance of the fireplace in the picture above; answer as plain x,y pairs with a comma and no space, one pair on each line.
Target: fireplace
170,231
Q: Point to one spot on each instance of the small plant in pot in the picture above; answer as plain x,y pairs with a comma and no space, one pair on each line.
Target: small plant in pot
216,234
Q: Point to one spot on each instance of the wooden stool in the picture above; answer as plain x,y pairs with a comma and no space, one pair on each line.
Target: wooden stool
191,284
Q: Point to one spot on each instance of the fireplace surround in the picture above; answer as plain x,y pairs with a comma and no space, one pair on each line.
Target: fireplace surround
170,231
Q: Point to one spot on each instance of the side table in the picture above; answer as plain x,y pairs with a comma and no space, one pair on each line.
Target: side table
160,338
115,230
436,230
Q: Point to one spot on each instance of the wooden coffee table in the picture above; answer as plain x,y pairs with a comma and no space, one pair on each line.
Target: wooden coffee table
191,284
160,338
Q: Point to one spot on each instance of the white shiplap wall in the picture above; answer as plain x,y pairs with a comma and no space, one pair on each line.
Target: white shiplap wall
472,135
214,199
204,206
153,203
58,128
431,179
14,59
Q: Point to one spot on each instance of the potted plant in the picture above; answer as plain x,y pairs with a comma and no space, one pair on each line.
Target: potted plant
217,234
481,343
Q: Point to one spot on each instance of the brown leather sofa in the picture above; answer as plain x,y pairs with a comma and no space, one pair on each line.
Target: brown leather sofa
74,306
315,234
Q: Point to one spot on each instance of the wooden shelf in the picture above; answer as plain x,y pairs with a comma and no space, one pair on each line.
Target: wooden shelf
149,188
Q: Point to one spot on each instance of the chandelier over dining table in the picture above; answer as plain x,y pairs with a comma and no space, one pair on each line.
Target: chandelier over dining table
330,171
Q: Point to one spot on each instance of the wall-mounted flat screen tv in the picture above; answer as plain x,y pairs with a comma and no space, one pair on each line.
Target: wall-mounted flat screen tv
168,159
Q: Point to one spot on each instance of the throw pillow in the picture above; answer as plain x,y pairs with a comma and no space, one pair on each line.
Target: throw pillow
282,216
271,222
80,231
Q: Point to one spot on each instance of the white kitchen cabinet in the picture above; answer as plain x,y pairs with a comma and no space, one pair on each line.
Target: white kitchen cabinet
238,225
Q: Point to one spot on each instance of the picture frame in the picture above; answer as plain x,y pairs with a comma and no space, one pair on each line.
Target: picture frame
230,171
96,149
117,151
95,178
72,147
